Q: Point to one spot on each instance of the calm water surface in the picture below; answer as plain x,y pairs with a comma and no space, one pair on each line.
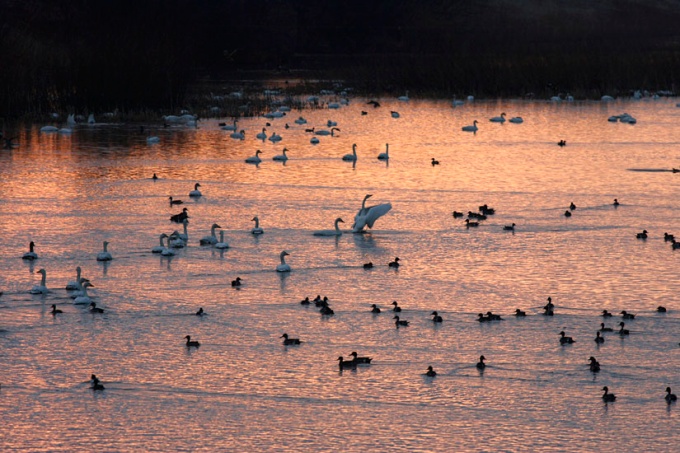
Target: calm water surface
242,390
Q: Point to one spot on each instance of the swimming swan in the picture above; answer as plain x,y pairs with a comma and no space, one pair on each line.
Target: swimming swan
84,298
161,247
351,157
498,119
283,267
256,229
386,154
335,232
30,255
221,244
254,159
104,255
41,288
212,239
74,284
472,128
367,216
262,135
281,157
195,192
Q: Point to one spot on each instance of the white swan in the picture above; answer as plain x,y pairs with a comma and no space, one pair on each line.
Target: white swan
161,247
104,255
330,123
153,139
351,157
30,255
394,114
257,229
65,130
367,216
227,127
327,132
79,288
262,135
175,241
404,98
168,251
516,119
196,192
212,239
238,135
498,119
281,157
221,244
283,267
335,232
254,159
84,298
41,288
275,138
386,154
74,284
471,128
300,121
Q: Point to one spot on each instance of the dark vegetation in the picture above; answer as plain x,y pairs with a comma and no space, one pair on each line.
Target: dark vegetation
159,55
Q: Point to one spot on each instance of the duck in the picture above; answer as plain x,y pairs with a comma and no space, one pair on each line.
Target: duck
471,128
200,312
83,298
430,372
386,154
434,162
335,232
623,331
351,157
283,267
606,314
564,339
196,192
599,339
55,310
368,265
642,235
493,317
661,309
481,365
469,224
567,213
394,263
344,364
626,315
175,202
281,157
396,308
436,317
161,247
616,202
670,397
154,177
375,309
191,344
549,305
326,310
457,214
221,244
305,301
562,143
95,309
668,237
608,397
605,329
254,159
520,313
509,227
398,322
104,255
288,341
30,255
675,245
180,217
594,364
358,359
498,119
212,239
96,385
237,282
572,206
482,318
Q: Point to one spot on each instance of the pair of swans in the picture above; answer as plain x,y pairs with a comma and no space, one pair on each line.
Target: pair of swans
162,249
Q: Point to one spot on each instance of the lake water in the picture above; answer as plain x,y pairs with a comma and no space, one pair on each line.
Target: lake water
242,390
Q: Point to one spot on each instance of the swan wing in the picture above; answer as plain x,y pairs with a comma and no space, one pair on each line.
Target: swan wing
375,212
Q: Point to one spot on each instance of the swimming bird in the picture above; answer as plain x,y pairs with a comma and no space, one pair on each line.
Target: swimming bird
616,202
360,360
154,177
520,313
675,245
256,229
95,309
668,237
562,143
375,309
434,162
599,339
394,263
281,157
30,255
564,339
642,235
498,119
509,227
314,141
394,114
606,314
96,384
661,309
327,132
221,244
181,237
608,397
457,214
344,364
179,218
399,322
262,135
161,247
567,213
305,301
254,159
200,312
572,206
104,255
174,202
190,343
212,239
396,307
481,365
288,341
368,265
241,135
493,317
275,138
236,282
83,298
471,128
623,331
436,317
594,364
626,315
55,310
605,329
469,224
430,372
351,157
670,397
482,318
367,216
404,98
335,232
196,192
229,127
386,154
326,310
283,267
375,104
516,120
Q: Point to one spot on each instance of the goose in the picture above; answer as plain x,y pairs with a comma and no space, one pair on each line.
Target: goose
481,365
520,313
670,397
642,235
498,119
84,298
104,255
394,114
434,162
190,343
594,364
275,138
626,315
281,157
283,267
174,202
367,216
257,229
516,120
358,359
262,135
404,98
221,244
471,128
238,135
254,159
436,317
398,322
161,247
237,282
386,154
396,308
200,312
623,331
565,340
469,224
55,311
368,265
179,218
96,385
605,329
30,255
288,341
212,239
335,232
430,372
351,157
608,397
509,227
599,339
343,364
196,192
394,263
375,309
95,309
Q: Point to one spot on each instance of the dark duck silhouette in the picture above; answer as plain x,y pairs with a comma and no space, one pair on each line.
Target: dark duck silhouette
481,365
96,384
564,339
670,397
436,317
344,364
360,360
191,344
95,309
594,364
430,372
626,315
288,341
394,263
399,323
179,218
396,308
375,309
598,338
642,235
520,313
55,310
605,329
608,397
236,282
